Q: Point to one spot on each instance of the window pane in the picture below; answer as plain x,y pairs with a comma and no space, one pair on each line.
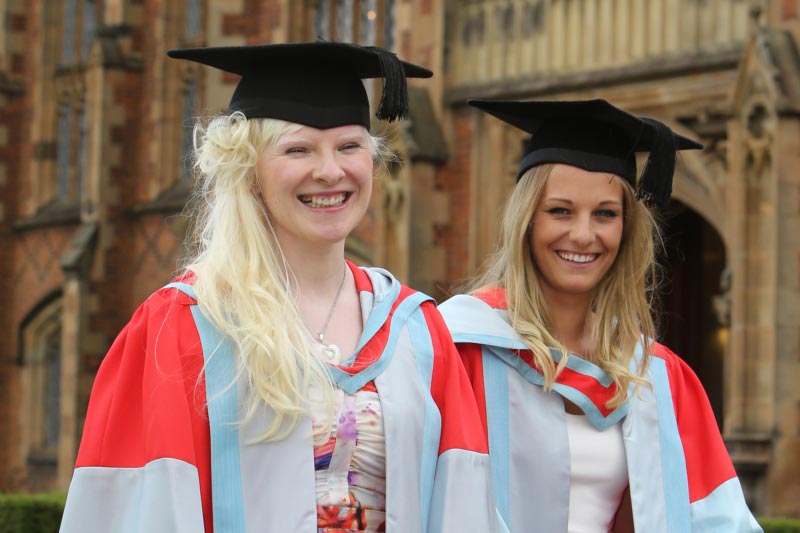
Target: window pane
89,25
388,25
344,20
64,146
369,22
52,399
193,12
322,19
82,151
68,37
189,97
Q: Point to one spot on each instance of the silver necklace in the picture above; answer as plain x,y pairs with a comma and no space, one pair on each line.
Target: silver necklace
331,351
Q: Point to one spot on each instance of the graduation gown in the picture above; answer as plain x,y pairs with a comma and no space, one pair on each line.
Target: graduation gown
681,478
162,452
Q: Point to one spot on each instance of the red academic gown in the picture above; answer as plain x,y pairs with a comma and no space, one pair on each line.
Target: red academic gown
680,476
160,452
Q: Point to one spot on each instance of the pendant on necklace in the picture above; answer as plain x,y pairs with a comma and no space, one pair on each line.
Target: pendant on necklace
331,352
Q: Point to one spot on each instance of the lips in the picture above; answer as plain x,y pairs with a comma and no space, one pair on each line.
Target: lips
577,258
323,201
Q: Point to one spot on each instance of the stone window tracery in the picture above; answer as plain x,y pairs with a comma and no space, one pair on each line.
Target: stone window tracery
41,374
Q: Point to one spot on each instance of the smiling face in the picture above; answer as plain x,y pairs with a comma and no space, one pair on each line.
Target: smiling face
316,184
577,229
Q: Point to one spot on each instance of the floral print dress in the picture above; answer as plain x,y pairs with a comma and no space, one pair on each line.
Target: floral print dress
350,465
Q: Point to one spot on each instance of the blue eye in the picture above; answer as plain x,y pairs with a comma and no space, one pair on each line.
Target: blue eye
607,213
558,211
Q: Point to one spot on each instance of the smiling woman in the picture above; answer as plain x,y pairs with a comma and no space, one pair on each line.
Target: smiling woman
577,231
274,386
608,429
316,185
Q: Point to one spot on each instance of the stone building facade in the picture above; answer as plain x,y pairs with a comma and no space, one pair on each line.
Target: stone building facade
95,131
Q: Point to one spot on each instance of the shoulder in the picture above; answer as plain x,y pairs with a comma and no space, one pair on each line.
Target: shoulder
169,297
180,290
673,362
383,283
685,386
166,309
494,297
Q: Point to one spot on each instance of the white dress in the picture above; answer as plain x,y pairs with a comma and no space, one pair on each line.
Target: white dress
598,475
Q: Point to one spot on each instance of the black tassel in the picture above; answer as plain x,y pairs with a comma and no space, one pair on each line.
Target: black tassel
394,97
655,184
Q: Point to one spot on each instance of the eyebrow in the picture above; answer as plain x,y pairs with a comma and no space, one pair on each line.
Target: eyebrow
347,137
568,201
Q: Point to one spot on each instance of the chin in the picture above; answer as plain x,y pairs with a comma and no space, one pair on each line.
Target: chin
576,288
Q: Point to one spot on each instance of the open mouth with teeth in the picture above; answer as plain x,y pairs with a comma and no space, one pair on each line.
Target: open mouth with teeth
318,201
577,258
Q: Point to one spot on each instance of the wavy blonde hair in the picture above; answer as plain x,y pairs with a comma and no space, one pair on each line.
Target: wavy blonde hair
621,302
243,283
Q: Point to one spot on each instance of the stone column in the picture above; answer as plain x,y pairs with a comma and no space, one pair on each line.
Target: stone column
75,265
750,369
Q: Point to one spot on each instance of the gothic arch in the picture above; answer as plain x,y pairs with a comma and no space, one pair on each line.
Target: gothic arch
695,185
40,360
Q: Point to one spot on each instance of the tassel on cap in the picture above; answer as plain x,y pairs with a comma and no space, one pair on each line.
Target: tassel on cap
394,96
655,184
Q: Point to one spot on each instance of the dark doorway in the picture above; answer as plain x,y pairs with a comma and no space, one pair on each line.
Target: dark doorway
693,267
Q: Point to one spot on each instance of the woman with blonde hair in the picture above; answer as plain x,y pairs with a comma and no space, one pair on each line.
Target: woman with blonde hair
593,426
275,386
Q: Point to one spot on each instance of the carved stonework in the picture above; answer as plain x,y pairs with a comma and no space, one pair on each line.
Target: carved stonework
758,118
393,193
722,301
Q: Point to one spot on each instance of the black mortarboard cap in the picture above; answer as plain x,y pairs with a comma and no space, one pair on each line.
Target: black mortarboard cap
316,84
596,136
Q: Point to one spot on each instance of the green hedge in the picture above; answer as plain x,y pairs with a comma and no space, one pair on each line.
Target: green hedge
779,525
41,513
31,513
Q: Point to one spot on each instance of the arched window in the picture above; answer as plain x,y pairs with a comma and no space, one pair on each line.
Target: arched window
41,385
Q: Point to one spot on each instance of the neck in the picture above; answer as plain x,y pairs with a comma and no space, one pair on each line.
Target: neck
316,269
569,313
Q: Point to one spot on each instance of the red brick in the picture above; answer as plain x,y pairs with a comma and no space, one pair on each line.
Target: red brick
17,23
790,9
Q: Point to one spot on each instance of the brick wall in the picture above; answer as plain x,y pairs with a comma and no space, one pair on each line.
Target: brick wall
455,179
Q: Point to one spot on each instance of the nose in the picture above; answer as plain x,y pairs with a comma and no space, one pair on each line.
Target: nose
327,168
582,231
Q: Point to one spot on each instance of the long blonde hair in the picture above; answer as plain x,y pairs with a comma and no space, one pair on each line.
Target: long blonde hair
243,283
621,302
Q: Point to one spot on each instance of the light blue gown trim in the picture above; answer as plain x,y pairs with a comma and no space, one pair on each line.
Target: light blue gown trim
495,385
423,348
724,510
222,403
574,395
491,329
353,383
380,313
673,462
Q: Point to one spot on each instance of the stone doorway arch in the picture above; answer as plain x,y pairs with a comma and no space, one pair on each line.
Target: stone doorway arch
694,304
693,271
